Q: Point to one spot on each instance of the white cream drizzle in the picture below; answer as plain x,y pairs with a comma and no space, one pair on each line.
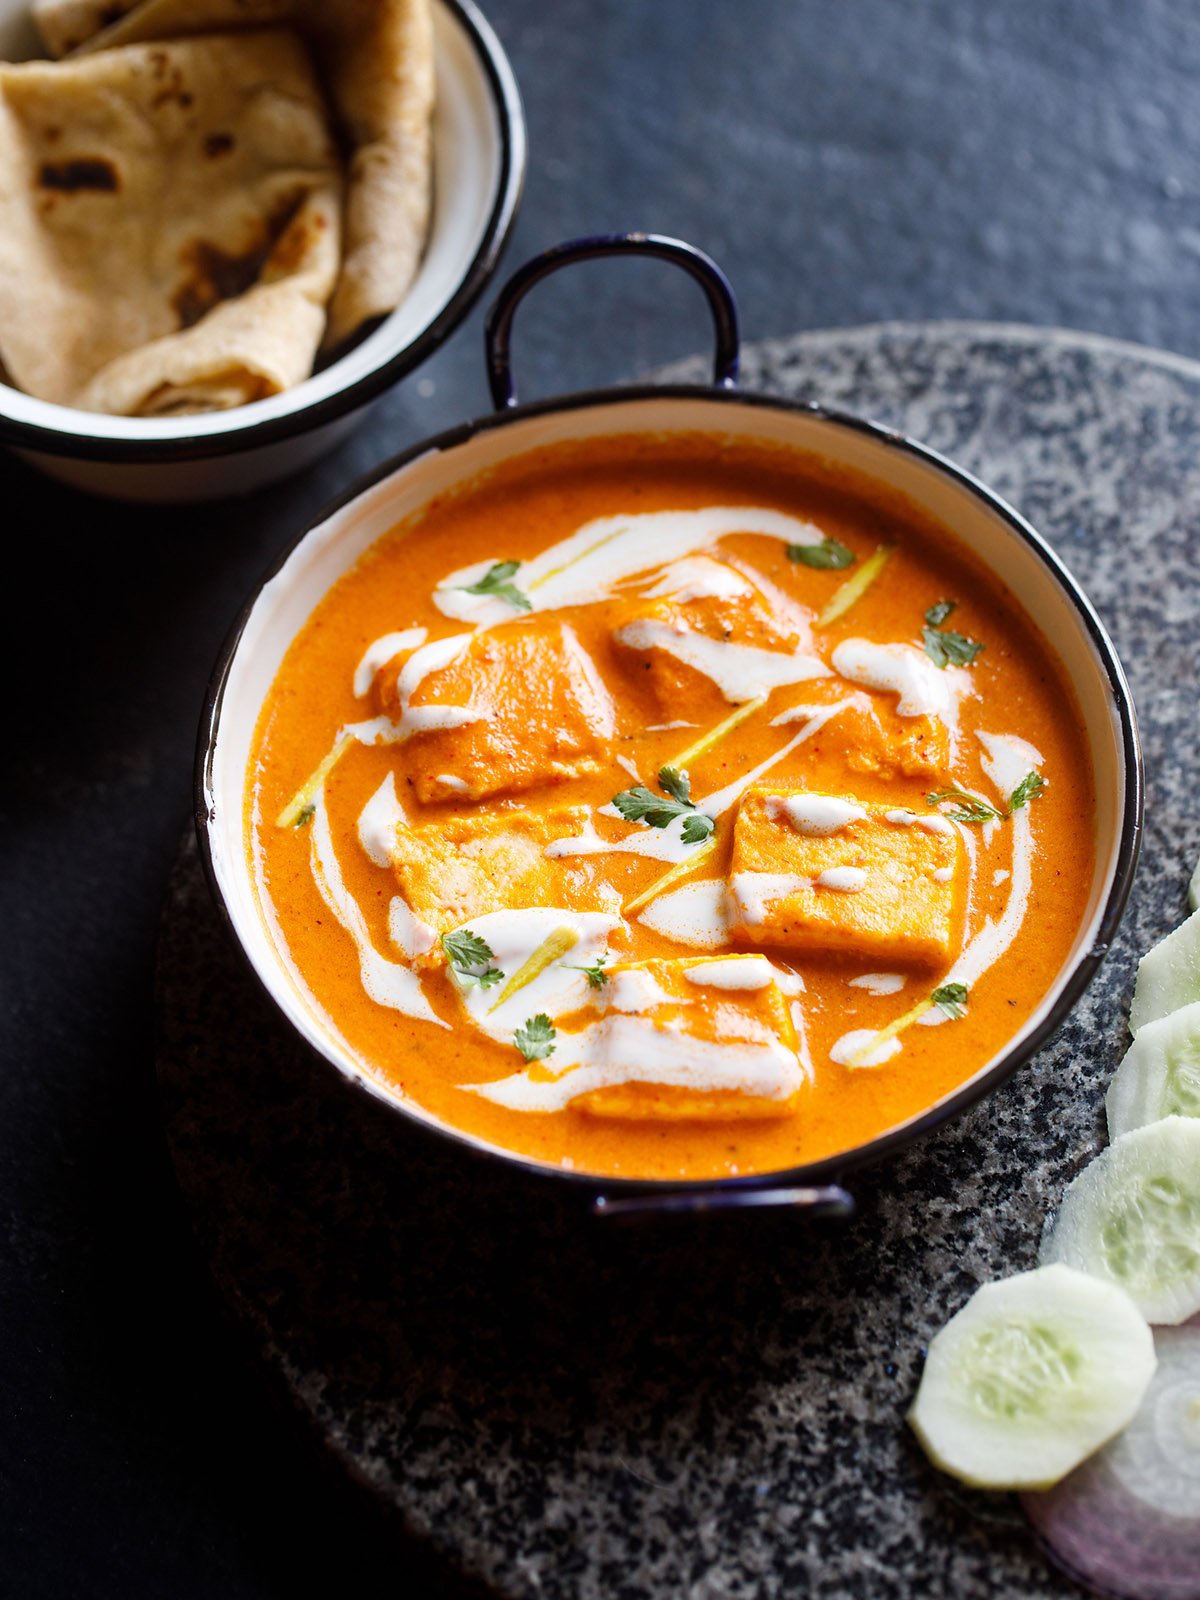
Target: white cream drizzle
851,1044
879,982
738,972
386,982
585,567
1006,761
658,844
900,818
846,880
455,785
715,804
783,608
636,991
408,933
378,821
741,671
432,657
943,874
803,1052
754,893
815,815
697,914
630,1049
934,823
699,578
787,981
923,690
513,937
630,768
381,652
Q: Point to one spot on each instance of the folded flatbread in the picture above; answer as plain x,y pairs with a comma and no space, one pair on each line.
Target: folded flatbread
376,60
169,224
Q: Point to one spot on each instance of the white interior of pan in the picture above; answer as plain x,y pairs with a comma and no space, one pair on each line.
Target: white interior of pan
331,548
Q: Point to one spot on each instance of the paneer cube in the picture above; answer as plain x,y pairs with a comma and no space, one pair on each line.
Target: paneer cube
694,1039
544,715
736,614
867,736
828,874
467,865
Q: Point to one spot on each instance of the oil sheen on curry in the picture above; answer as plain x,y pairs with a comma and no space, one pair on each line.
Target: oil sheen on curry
671,808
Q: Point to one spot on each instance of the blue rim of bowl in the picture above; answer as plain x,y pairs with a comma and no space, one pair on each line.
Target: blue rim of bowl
829,1169
273,430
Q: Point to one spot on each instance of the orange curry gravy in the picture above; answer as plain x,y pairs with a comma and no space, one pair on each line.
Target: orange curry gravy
732,588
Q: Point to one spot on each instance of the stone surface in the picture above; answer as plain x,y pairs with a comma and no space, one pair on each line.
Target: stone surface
569,1409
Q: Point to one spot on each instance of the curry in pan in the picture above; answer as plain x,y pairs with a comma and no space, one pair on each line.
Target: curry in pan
672,808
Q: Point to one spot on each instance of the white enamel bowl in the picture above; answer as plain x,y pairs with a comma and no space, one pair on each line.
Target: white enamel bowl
990,529
479,157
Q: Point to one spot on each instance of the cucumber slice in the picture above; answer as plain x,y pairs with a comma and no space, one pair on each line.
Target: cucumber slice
1033,1374
1168,976
1133,1218
1159,1075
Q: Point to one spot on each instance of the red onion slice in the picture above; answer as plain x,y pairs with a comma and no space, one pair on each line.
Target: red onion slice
1127,1522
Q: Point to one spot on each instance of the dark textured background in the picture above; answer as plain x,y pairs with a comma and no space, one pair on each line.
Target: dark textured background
1034,161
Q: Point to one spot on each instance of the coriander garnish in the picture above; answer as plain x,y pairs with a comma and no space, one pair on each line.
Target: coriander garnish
972,809
952,998
595,974
831,555
640,805
305,815
1030,786
938,613
465,951
495,582
943,646
535,1037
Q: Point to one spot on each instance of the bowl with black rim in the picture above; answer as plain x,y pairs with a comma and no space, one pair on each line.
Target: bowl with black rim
479,154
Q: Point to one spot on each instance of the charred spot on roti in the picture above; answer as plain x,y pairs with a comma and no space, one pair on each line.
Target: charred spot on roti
95,174
215,274
218,144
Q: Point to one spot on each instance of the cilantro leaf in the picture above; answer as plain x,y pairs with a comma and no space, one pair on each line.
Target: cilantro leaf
535,1037
595,974
677,784
831,555
697,828
1030,786
465,951
305,815
952,997
938,613
972,809
495,582
946,648
639,805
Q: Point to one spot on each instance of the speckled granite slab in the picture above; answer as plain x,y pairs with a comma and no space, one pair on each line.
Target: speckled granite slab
575,1411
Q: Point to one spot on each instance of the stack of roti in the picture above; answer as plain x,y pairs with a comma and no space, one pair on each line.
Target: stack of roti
200,194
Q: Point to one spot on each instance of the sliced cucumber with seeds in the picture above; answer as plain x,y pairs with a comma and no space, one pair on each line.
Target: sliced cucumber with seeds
1033,1374
1159,1075
1132,1218
1168,976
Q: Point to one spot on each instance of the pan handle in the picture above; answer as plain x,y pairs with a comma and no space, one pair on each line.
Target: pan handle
825,1200
721,303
